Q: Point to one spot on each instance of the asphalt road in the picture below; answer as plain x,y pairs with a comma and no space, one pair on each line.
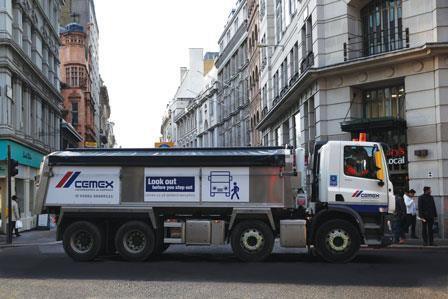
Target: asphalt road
204,272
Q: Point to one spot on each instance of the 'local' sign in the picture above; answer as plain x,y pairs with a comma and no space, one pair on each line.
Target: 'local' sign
396,156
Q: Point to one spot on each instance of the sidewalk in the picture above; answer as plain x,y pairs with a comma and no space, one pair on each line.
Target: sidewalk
418,243
30,238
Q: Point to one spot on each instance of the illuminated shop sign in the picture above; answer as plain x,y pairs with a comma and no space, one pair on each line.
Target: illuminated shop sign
396,156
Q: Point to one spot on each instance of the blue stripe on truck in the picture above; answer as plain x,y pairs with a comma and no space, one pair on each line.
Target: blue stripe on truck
367,208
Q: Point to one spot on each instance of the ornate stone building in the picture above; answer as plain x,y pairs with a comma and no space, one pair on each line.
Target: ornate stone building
83,13
76,85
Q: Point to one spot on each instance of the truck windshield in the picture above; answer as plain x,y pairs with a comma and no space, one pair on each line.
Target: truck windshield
359,161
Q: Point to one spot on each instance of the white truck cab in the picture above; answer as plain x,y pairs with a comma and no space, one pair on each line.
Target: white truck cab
354,174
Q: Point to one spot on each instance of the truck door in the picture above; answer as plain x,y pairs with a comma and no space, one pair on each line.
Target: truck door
360,186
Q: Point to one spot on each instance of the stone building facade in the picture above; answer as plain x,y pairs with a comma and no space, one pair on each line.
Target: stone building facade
254,70
380,67
198,124
31,103
233,80
191,82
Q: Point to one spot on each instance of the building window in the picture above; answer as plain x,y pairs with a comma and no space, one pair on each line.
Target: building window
276,87
297,130
307,46
262,9
264,98
75,113
292,7
75,76
296,59
384,102
279,20
284,70
382,26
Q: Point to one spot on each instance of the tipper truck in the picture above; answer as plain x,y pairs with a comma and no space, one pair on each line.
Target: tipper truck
138,202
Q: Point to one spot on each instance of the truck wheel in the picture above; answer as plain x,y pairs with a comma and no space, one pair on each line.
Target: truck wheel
337,241
252,241
135,241
82,241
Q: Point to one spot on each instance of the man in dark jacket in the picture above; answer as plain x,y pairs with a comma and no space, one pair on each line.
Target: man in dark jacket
399,223
427,213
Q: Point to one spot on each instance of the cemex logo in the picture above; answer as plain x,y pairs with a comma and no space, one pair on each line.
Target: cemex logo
70,178
362,194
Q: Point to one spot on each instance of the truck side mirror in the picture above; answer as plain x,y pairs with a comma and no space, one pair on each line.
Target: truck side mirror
379,167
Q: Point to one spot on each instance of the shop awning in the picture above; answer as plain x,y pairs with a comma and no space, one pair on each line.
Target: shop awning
366,124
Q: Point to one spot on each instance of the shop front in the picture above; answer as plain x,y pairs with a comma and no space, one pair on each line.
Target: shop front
383,119
23,185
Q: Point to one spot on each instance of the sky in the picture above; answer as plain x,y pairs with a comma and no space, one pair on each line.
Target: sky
143,44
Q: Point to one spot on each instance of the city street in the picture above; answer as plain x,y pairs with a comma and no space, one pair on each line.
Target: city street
45,271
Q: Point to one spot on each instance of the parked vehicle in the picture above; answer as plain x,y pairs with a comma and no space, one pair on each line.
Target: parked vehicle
139,202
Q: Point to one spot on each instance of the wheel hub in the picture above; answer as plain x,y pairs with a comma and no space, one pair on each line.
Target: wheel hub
81,242
338,240
252,240
134,241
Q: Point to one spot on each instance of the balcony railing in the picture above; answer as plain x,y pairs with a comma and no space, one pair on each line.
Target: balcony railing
307,62
376,43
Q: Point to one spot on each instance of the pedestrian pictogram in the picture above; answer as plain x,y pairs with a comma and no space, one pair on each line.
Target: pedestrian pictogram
235,191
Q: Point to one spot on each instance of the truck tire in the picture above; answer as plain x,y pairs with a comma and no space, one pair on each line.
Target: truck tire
337,241
135,241
82,241
252,240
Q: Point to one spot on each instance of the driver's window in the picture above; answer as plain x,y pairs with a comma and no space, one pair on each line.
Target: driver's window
359,161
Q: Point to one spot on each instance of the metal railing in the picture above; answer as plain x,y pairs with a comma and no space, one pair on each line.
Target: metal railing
307,62
376,43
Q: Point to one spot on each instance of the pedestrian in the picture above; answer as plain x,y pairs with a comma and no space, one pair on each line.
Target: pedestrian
15,215
399,223
411,212
427,213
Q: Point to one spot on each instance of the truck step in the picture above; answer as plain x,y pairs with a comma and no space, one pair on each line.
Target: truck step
372,226
373,242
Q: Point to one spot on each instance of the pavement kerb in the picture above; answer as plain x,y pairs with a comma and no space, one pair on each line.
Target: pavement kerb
418,246
2,246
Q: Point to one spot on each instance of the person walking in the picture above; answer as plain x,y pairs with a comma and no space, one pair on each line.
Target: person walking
399,223
411,212
427,213
15,215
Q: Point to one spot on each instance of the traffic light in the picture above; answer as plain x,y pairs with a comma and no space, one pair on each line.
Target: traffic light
13,168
